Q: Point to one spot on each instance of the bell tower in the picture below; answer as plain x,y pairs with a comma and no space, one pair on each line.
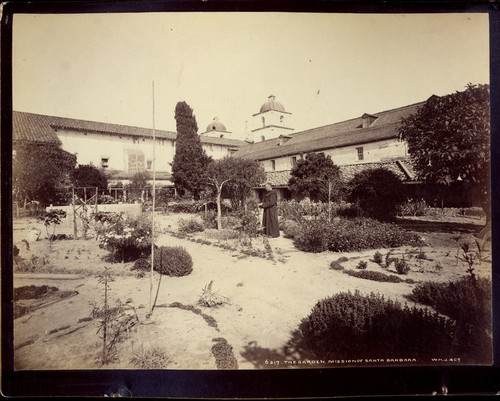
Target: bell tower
271,121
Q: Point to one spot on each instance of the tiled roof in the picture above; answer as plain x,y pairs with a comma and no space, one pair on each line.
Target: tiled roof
41,128
278,178
345,133
401,168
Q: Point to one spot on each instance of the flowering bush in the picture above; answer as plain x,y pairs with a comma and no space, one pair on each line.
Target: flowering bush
127,239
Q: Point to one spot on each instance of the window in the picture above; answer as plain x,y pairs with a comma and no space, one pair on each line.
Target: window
273,165
361,155
263,121
149,164
293,160
104,162
281,119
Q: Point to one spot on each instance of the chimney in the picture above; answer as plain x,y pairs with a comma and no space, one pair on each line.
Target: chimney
367,120
283,139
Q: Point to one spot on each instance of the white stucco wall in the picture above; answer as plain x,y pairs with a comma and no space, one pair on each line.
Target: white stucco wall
373,152
92,147
216,151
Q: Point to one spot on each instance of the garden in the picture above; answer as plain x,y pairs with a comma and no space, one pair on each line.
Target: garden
335,289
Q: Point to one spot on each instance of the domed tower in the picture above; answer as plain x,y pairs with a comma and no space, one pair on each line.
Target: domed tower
216,129
271,121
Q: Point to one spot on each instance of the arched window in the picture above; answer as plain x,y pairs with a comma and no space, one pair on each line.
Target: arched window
263,121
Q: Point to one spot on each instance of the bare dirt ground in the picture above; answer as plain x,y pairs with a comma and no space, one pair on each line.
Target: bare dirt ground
266,299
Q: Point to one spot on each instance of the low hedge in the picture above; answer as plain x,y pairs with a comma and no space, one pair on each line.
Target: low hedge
351,326
468,302
348,235
375,276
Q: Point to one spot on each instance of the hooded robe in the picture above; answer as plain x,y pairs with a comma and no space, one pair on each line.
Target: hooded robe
270,218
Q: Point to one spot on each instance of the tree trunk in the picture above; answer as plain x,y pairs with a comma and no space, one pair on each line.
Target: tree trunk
219,211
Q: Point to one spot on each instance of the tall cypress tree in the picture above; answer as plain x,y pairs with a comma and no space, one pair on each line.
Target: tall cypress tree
190,160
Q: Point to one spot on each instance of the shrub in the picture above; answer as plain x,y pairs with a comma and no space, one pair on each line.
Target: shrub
401,266
469,303
335,265
290,228
362,265
379,193
142,264
224,355
189,226
312,237
375,276
351,235
351,326
127,239
378,258
250,224
173,261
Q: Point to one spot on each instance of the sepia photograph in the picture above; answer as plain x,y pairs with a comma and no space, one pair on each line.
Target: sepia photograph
250,191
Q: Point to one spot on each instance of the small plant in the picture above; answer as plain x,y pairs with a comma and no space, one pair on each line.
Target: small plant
469,258
268,248
52,218
212,299
389,259
362,265
378,258
402,267
457,239
151,358
173,261
114,322
250,224
438,267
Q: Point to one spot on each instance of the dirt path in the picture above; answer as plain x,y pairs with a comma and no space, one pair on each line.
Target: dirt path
267,301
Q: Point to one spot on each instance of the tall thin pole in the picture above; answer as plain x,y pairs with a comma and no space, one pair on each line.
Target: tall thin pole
153,211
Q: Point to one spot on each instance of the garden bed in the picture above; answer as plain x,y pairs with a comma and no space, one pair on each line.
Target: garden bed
264,300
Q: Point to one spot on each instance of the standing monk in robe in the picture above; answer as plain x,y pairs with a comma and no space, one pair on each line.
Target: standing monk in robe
270,218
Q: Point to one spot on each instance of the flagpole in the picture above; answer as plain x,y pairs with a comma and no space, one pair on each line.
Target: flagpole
153,211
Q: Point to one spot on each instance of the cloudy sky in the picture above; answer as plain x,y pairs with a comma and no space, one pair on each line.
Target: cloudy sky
323,68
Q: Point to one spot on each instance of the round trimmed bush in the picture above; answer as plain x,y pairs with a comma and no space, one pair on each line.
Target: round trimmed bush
173,261
142,264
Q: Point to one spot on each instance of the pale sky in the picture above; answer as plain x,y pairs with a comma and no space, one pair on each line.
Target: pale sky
323,68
